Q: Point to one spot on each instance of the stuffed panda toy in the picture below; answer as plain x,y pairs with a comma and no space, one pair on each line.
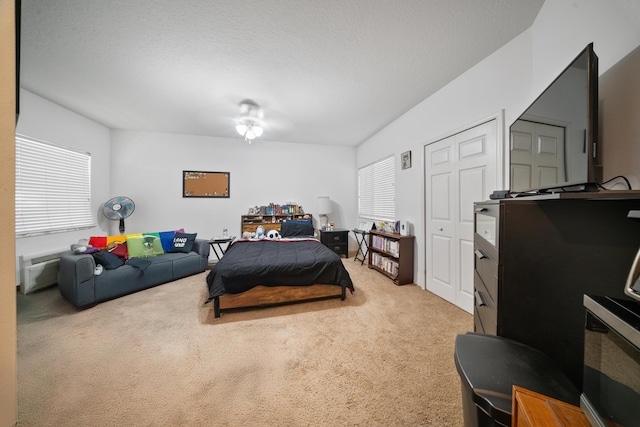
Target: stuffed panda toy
273,234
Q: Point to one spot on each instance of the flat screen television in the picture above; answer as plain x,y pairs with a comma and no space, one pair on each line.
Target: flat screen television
553,145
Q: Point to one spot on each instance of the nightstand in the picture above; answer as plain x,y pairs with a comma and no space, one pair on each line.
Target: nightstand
336,240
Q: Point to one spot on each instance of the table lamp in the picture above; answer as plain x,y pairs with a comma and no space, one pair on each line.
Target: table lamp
324,209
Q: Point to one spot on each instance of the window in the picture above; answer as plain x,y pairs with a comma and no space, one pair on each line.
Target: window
376,190
53,188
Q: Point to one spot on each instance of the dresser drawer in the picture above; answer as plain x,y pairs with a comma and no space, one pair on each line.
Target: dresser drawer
334,237
484,307
340,249
477,324
487,269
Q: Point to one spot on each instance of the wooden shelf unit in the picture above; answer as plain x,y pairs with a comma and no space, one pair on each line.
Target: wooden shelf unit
269,222
392,255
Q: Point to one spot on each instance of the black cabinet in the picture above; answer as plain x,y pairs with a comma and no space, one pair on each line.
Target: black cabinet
336,240
536,258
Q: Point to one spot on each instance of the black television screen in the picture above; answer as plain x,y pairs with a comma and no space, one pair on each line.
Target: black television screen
553,144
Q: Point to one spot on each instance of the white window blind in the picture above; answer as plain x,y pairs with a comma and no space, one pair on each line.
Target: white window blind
53,188
376,190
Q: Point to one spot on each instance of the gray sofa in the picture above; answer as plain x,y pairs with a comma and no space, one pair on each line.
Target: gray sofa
79,284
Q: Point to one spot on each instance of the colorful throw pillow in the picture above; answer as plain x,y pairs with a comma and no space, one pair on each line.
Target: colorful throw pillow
99,242
108,260
116,239
183,242
166,238
121,250
102,242
144,246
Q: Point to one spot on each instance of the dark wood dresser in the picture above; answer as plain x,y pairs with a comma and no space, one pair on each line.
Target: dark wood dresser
536,257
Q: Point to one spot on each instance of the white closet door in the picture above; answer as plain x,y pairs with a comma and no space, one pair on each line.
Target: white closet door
440,185
537,155
460,170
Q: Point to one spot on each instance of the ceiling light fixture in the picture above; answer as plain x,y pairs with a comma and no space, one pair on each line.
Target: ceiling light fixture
249,123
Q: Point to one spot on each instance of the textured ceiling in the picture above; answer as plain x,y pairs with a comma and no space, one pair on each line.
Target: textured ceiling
326,72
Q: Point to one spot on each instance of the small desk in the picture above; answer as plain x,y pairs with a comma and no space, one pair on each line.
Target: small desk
218,241
361,237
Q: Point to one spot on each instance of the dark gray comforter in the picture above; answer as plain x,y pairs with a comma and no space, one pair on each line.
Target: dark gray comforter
290,262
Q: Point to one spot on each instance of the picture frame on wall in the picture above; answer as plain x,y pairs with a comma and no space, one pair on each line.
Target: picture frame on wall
405,160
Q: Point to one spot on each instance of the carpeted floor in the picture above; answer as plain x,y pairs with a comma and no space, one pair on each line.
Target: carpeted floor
159,358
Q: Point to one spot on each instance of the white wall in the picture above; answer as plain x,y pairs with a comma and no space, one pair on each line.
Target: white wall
508,80
619,110
147,167
42,119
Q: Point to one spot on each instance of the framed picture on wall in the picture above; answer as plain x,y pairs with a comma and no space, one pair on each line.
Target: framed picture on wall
405,160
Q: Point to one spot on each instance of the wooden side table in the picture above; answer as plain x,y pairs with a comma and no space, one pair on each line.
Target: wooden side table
336,240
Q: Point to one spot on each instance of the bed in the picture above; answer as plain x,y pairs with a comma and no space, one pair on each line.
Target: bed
295,268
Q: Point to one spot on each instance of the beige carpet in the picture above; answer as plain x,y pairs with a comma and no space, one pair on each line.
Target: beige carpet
159,358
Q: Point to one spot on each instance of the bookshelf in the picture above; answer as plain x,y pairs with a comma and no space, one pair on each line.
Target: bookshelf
269,222
392,255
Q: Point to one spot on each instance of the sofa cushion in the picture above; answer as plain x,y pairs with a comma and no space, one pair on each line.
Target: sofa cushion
183,242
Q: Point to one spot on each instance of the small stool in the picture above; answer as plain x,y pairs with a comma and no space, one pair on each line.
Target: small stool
361,237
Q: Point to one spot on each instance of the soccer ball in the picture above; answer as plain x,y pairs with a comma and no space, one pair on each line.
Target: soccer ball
273,234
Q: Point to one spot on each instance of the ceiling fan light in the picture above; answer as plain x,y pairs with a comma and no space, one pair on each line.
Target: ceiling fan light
241,128
250,133
248,124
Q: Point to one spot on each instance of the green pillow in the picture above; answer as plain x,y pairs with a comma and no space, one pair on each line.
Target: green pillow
144,246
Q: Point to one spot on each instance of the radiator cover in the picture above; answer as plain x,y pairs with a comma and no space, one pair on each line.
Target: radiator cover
39,271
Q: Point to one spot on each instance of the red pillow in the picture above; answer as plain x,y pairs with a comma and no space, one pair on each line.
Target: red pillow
98,241
120,249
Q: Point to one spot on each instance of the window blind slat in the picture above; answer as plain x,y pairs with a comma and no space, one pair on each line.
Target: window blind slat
376,190
53,188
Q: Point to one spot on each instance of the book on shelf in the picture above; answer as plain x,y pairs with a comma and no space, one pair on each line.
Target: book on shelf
385,244
385,264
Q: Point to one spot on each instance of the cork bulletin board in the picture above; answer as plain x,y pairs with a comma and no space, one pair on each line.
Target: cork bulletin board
205,184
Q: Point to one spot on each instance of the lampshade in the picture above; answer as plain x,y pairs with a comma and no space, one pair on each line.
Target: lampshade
324,205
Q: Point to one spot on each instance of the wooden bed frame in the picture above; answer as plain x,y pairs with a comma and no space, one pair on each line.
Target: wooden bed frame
261,296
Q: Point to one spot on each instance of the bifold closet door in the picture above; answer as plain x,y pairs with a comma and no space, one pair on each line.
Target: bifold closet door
459,170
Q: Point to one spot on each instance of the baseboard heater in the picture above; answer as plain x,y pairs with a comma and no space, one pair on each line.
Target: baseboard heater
39,271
